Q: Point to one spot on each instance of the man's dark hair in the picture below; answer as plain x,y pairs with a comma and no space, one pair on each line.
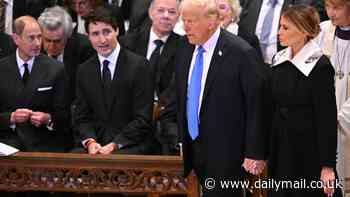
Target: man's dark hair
101,14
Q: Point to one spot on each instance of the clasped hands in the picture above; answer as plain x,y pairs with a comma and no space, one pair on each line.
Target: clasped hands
24,115
254,167
96,148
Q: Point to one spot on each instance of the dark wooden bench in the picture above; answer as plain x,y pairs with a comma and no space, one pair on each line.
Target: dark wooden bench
82,173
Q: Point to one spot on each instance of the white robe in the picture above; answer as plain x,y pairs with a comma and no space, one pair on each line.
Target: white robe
338,50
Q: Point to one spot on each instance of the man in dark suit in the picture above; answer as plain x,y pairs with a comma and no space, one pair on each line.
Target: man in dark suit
262,18
113,111
7,46
60,43
219,89
158,43
33,110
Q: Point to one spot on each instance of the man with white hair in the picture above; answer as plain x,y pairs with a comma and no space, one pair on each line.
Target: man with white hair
158,43
60,43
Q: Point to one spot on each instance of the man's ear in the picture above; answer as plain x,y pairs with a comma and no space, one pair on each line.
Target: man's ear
149,13
15,38
117,31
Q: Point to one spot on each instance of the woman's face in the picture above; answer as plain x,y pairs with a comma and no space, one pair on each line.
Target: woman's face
339,14
289,35
225,12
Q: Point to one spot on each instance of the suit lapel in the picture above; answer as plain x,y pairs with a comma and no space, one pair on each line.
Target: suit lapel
142,41
184,71
17,84
167,52
215,63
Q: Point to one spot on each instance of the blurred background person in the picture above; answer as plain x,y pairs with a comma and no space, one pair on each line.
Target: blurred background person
10,10
335,43
262,17
7,46
80,9
229,12
304,125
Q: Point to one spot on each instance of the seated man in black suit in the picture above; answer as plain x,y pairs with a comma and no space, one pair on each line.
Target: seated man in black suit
113,111
158,43
33,104
60,43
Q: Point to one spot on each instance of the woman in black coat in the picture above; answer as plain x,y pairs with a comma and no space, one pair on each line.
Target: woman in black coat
303,136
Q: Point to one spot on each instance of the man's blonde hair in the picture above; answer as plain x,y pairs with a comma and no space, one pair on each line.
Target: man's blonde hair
209,6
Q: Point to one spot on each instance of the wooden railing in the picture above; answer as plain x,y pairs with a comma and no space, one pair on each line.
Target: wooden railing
82,173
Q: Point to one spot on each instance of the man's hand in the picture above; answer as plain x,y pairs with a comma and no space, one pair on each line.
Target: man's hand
254,167
328,178
40,118
93,147
20,116
107,149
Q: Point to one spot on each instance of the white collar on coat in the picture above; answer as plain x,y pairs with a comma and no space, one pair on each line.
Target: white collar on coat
305,60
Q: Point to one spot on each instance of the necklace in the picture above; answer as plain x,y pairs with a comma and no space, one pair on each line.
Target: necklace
339,57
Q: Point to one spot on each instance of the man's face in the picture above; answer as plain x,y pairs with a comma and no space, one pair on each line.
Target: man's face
164,15
103,38
197,26
29,42
54,41
82,7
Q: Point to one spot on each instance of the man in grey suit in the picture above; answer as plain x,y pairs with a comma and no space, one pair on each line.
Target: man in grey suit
33,104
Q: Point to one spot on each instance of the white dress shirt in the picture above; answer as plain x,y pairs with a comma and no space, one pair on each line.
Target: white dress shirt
81,25
20,63
151,45
112,58
209,48
273,40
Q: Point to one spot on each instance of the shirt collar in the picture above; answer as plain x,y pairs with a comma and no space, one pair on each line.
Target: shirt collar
153,36
20,62
211,42
279,2
9,2
305,60
112,58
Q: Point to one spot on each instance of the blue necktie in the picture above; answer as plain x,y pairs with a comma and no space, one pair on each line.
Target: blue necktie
267,27
194,91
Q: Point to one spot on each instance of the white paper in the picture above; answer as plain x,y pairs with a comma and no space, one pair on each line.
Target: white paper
6,150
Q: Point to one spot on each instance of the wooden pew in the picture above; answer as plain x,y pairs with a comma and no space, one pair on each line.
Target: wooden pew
82,173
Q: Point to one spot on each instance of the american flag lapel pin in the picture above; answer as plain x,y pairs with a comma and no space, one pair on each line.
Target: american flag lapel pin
220,53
